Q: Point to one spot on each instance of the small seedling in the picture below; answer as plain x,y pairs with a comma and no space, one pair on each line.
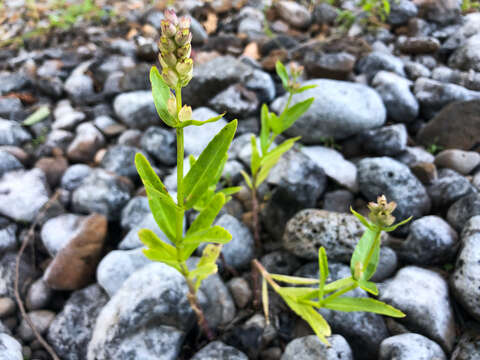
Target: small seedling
195,190
306,295
272,125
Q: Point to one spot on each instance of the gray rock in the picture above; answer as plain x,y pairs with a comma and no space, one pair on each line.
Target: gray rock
240,290
440,11
434,95
340,109
11,108
232,172
338,201
410,347
239,252
57,232
236,100
79,86
448,188
101,192
463,209
7,274
66,117
136,323
58,138
71,330
335,166
468,79
376,61
336,65
117,266
467,347
476,180
73,177
161,144
11,133
8,238
212,77
324,13
415,70
22,194
8,162
280,262
7,308
311,348
431,241
467,56
262,84
459,160
10,349
401,11
134,212
298,182
250,22
198,137
389,140
199,35
293,13
401,104
12,82
120,159
108,126
466,280
41,319
414,155
217,350
423,296
88,140
136,109
38,296
377,176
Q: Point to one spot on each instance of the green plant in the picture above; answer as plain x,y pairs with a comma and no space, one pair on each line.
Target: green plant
378,9
434,148
272,125
345,19
68,15
305,299
195,190
470,5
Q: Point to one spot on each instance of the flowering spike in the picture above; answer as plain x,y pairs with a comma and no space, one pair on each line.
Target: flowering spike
171,17
381,212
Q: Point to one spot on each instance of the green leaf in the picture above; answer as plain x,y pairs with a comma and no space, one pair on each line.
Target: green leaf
40,114
207,264
265,300
216,234
304,88
161,93
271,159
255,158
348,304
294,279
282,73
323,269
290,115
157,249
147,174
208,165
300,292
199,122
361,266
274,123
230,190
156,255
206,218
247,179
265,129
362,219
394,227
368,286
338,284
163,210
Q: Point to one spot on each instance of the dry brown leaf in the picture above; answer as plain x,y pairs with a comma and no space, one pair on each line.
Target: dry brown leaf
251,50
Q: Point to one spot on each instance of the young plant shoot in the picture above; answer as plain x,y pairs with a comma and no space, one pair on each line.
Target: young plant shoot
196,189
272,125
313,294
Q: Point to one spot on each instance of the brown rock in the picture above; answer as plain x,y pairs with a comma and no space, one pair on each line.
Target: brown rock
457,126
86,143
419,45
74,265
53,167
440,11
461,161
426,172
19,153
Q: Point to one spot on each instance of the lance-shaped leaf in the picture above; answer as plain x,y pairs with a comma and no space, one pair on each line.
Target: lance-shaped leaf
368,286
161,94
304,88
366,255
206,168
207,264
362,219
264,130
290,115
216,234
282,73
147,174
394,227
338,284
274,123
348,304
323,270
271,159
163,210
40,114
230,191
265,301
157,249
198,122
296,280
255,158
247,179
207,216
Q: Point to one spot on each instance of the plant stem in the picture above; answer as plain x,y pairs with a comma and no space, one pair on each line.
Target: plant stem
255,217
373,247
192,293
340,293
265,274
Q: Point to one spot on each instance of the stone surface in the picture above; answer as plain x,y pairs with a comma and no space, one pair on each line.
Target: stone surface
71,330
22,194
11,133
298,182
311,348
161,144
10,349
431,240
401,11
74,176
8,162
338,201
73,267
102,192
293,13
423,296
335,166
463,209
53,167
441,11
235,100
136,109
262,84
388,140
447,188
7,307
419,45
240,290
465,279
38,296
41,319
120,159
66,117
401,104
468,347
57,232
340,109
88,140
467,56
461,161
7,274
377,176
217,350
377,61
410,347
8,238
335,66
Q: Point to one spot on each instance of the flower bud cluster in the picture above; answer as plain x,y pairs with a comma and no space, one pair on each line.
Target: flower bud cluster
381,211
295,71
175,47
